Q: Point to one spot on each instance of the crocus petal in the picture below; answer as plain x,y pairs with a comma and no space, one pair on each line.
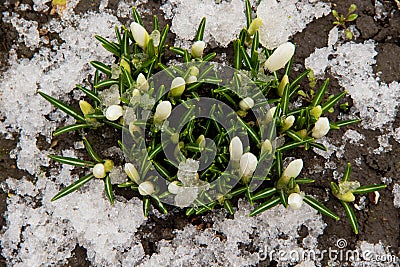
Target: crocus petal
132,173
248,164
113,112
146,188
99,171
163,111
246,103
295,201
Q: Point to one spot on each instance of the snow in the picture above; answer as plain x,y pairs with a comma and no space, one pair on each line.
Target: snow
284,18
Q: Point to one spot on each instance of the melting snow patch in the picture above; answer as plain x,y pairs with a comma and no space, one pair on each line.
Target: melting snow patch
284,18
224,20
396,194
352,64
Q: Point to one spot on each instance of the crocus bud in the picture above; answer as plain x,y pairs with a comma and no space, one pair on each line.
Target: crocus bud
316,112
140,35
295,201
236,149
146,188
288,122
174,188
108,165
254,26
194,71
321,128
346,197
266,147
280,57
293,169
142,83
114,112
163,111
282,84
270,114
132,173
248,164
246,103
198,48
177,87
135,93
87,109
201,141
191,79
99,170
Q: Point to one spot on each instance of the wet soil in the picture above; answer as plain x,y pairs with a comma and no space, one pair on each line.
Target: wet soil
377,222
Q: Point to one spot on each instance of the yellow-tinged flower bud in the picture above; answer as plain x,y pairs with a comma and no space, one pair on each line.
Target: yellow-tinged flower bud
99,171
282,84
198,48
177,87
254,26
140,35
142,83
146,188
280,57
163,111
316,112
132,173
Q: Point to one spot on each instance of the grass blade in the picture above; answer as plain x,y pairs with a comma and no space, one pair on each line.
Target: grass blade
264,193
331,102
136,16
228,206
101,67
106,83
73,187
298,79
347,173
128,78
91,152
71,128
71,161
293,145
89,93
320,95
369,188
285,99
248,14
246,57
200,30
320,207
64,107
283,198
160,204
265,206
351,216
237,59
146,206
108,189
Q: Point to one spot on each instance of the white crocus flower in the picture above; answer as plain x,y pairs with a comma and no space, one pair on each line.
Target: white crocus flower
99,171
177,87
293,169
236,149
114,112
246,103
142,83
198,48
248,164
191,79
140,35
295,201
132,173
163,111
266,147
280,57
321,128
146,188
270,114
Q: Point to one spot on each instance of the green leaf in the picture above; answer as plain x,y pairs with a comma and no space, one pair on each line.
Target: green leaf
126,184
161,170
71,128
279,163
146,206
320,95
319,146
347,173
163,39
253,135
89,93
210,56
106,83
266,205
292,145
264,193
91,152
285,99
228,206
118,34
320,207
177,50
125,44
114,124
283,198
73,187
156,25
159,204
200,30
331,102
64,107
288,66
246,57
151,50
351,216
341,124
108,189
128,78
136,16
101,67
248,14
352,17
155,151
369,188
298,79
304,181
109,46
237,59
71,161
